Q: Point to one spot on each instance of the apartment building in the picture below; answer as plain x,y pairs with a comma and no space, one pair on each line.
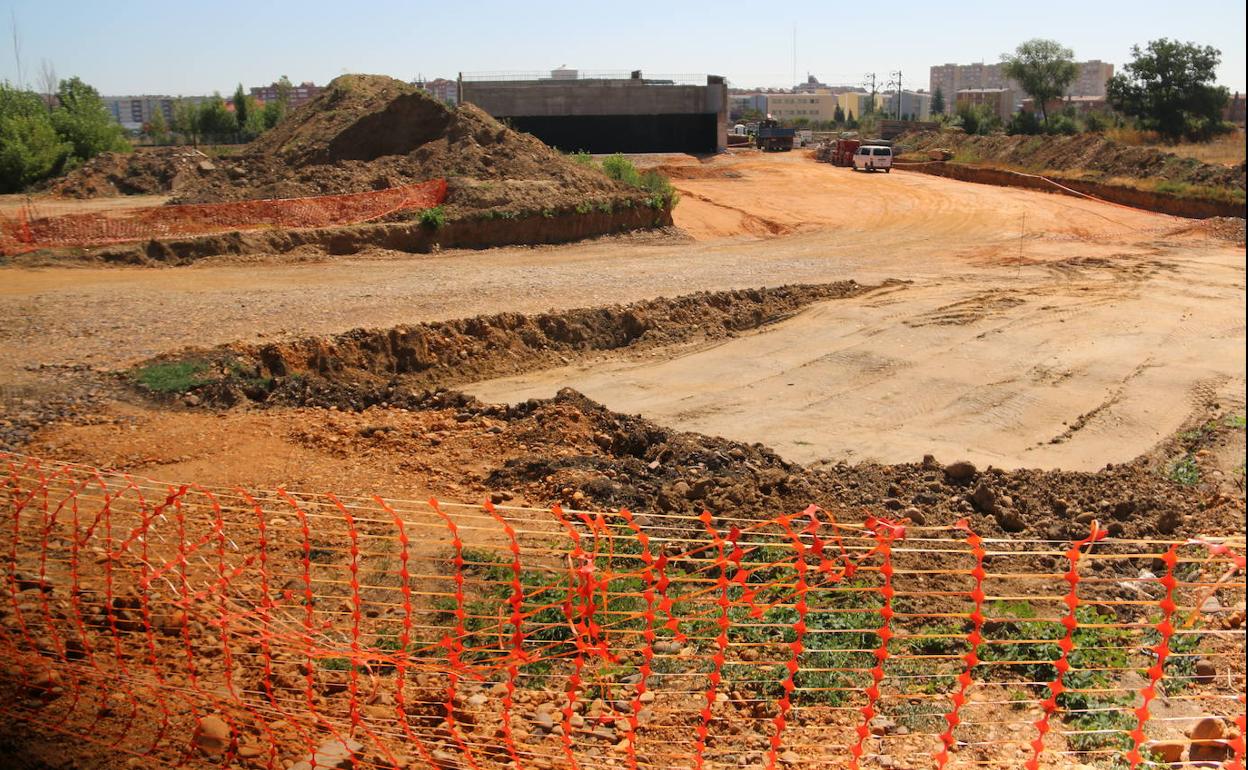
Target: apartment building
299,94
952,78
917,104
133,112
740,104
442,89
811,106
1000,100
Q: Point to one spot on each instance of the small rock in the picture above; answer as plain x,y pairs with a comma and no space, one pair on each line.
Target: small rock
962,470
915,516
1166,751
1208,728
882,725
1209,751
1205,671
1010,520
984,498
213,735
930,463
790,757
544,721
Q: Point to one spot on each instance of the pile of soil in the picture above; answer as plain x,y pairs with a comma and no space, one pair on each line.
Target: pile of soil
448,353
370,132
1092,155
146,171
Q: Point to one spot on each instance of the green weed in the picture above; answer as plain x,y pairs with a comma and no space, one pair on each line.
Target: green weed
1184,471
172,377
433,218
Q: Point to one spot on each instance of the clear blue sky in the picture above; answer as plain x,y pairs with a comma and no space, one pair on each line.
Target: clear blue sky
142,46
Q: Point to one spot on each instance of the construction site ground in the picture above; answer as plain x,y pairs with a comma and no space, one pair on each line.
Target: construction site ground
1031,330
1018,330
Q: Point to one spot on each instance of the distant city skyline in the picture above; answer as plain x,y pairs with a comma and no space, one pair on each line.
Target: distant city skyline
145,47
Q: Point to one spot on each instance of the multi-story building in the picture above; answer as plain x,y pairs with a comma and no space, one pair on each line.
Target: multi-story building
814,107
1000,100
915,104
740,104
855,104
133,112
952,78
443,90
1082,105
299,95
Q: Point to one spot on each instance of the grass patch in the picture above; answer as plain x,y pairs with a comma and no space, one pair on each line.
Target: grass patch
173,376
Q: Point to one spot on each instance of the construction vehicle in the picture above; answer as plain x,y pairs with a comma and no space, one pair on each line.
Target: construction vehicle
841,151
772,138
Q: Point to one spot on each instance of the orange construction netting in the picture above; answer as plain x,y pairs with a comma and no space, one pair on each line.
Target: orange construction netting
174,625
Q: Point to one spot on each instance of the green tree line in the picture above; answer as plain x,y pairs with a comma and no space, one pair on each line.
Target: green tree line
212,121
39,139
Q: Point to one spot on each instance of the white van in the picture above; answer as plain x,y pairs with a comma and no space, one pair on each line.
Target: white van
873,157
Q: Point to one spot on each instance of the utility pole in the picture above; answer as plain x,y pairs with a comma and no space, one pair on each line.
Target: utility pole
895,82
869,78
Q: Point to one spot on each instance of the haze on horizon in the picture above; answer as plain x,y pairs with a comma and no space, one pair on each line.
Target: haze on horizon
157,48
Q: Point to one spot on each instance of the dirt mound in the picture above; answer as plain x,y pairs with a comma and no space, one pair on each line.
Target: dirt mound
146,171
1092,155
370,132
358,117
448,353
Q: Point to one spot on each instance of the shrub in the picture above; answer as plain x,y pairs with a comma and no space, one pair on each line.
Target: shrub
433,218
1061,124
621,169
1024,123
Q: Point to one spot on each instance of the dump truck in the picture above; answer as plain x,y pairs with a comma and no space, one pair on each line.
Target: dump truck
772,138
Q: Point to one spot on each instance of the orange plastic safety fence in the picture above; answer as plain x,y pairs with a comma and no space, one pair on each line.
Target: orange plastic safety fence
31,229
182,626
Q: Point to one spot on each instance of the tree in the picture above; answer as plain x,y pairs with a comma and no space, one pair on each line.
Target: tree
156,129
82,120
30,149
48,82
978,119
838,115
1044,69
1169,88
240,105
186,120
849,120
284,87
938,102
274,112
214,121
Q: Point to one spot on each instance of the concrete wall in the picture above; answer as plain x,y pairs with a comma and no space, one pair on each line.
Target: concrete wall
610,115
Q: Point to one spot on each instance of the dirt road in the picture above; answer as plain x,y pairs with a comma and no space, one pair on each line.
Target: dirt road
1037,330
